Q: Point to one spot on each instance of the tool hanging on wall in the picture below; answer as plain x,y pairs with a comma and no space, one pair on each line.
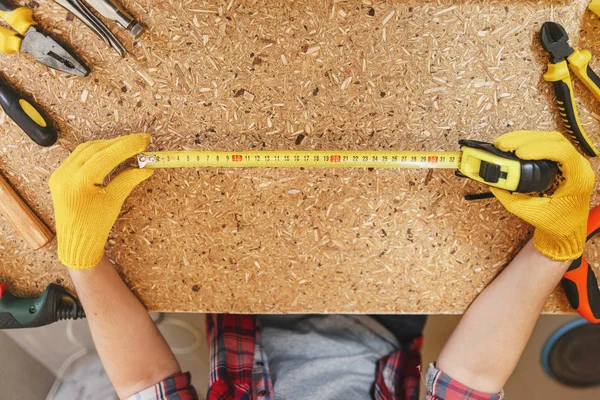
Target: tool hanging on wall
563,58
477,160
80,10
55,304
27,39
26,116
113,11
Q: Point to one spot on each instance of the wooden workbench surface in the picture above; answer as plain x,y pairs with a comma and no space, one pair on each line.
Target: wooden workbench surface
305,75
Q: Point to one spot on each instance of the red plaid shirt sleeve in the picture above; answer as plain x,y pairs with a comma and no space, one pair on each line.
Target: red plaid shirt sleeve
231,340
176,387
442,387
398,375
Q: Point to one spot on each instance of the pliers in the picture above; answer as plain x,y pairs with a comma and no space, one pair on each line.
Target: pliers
27,39
563,58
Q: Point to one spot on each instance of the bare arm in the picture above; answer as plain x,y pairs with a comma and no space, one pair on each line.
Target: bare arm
133,351
486,345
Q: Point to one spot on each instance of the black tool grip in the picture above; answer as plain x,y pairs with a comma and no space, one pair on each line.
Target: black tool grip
593,77
53,305
7,6
535,176
570,116
8,321
26,116
581,287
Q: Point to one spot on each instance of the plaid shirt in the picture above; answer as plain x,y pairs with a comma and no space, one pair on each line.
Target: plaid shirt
239,370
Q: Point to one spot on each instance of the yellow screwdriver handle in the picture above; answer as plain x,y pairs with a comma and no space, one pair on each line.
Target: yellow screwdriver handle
20,18
10,41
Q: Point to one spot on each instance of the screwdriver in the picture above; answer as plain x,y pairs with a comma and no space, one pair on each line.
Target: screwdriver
580,283
53,305
26,116
112,10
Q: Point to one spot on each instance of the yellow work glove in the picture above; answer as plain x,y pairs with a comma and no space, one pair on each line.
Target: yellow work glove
560,219
85,210
594,7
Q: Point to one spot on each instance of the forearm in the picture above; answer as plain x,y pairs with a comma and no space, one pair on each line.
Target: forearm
133,351
484,349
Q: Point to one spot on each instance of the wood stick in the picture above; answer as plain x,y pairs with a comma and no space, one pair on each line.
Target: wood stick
22,218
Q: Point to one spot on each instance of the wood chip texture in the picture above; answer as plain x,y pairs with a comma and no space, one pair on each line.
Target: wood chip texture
239,75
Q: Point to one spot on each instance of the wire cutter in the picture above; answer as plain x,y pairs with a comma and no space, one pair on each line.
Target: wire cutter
563,58
27,39
580,283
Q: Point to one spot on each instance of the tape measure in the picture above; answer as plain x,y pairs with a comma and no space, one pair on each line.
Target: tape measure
300,159
477,160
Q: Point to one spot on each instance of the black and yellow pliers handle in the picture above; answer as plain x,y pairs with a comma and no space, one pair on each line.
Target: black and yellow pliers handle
20,19
558,74
27,39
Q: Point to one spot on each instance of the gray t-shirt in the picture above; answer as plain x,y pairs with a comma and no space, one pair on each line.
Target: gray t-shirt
324,356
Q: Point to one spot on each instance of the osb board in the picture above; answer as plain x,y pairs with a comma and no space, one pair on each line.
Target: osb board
342,75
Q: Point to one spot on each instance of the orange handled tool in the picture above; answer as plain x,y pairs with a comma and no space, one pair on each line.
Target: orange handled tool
580,283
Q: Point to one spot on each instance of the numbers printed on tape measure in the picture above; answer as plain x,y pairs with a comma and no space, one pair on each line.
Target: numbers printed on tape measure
307,159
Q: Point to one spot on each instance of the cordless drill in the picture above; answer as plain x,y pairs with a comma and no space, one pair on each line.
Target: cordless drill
53,305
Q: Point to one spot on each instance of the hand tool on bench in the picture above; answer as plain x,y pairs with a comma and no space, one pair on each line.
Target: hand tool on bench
112,10
55,304
563,58
35,233
80,10
580,283
26,116
28,39
477,160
